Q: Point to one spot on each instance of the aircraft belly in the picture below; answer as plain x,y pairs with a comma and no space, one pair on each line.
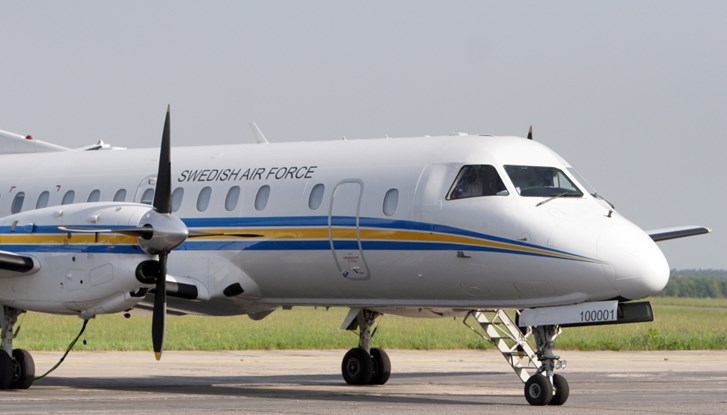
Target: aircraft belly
421,278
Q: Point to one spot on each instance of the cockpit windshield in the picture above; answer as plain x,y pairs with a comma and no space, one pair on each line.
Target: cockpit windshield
542,182
475,181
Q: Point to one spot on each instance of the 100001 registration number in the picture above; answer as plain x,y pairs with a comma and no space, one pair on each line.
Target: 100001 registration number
589,316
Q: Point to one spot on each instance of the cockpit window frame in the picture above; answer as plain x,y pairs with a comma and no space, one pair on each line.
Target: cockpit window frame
487,180
573,190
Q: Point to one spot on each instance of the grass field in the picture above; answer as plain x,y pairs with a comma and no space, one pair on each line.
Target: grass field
680,324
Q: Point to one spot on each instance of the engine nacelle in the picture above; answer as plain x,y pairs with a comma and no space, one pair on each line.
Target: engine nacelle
74,272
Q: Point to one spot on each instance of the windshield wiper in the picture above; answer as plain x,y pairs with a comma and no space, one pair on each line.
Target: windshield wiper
597,196
564,194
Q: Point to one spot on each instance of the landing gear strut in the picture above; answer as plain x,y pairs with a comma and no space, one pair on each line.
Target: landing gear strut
364,365
545,387
17,369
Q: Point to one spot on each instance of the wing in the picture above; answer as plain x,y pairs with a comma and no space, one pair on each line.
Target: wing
665,234
11,143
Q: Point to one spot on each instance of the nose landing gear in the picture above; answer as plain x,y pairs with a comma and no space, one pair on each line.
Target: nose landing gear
543,387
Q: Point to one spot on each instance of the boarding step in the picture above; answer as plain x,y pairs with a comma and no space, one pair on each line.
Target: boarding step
497,327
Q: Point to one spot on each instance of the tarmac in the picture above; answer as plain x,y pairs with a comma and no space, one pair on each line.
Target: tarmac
309,382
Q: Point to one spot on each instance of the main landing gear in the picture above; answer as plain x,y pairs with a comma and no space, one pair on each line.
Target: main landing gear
17,369
364,365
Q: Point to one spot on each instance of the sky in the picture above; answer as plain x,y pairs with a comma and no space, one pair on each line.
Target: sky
631,93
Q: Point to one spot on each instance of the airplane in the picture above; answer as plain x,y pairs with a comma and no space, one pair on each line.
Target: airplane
461,225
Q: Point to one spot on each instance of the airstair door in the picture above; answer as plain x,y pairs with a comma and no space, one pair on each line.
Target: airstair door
344,230
145,191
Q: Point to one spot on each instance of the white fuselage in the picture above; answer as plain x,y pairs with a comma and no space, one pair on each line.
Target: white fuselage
357,223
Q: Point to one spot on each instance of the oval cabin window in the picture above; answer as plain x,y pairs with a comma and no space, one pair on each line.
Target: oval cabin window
233,196
391,200
94,196
261,199
68,197
18,202
203,200
42,200
177,196
316,196
120,195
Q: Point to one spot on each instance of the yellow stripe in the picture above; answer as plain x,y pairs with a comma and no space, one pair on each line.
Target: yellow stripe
384,234
73,238
287,233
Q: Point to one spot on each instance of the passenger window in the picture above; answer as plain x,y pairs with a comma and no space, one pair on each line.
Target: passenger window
17,205
233,196
148,197
120,195
68,197
177,196
316,196
391,200
42,200
261,199
203,200
475,181
95,196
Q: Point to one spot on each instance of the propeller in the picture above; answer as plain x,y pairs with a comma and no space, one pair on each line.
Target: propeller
163,205
158,233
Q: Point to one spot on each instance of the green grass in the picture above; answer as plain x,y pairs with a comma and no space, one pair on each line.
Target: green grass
680,324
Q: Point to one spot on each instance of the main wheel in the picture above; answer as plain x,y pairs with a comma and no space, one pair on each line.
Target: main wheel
23,370
6,370
382,367
357,367
538,390
562,390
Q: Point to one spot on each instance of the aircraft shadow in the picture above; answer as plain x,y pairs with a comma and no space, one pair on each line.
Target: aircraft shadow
297,387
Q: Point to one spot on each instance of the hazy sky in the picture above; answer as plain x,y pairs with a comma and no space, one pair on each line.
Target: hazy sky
632,93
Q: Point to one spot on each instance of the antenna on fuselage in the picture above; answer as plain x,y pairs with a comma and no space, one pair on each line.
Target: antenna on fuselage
257,132
530,133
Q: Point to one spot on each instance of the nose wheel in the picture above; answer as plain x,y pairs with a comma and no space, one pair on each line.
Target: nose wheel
545,387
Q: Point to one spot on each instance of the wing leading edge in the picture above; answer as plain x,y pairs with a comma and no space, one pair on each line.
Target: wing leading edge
666,234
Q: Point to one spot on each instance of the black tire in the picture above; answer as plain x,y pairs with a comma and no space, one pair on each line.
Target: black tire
382,367
538,390
562,390
23,370
6,370
357,367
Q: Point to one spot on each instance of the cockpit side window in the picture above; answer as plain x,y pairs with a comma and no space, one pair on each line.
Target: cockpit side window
475,181
539,181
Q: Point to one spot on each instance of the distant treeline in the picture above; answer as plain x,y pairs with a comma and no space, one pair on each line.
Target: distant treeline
696,283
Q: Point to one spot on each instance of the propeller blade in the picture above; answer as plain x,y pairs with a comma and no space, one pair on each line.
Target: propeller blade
163,191
530,133
163,205
140,232
202,234
159,313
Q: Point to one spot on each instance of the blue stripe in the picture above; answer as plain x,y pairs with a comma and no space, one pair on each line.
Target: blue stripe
74,248
350,221
294,221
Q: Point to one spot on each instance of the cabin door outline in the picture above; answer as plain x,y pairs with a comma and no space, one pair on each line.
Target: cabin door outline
344,230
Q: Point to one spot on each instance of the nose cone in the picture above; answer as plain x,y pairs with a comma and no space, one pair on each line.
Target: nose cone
638,266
